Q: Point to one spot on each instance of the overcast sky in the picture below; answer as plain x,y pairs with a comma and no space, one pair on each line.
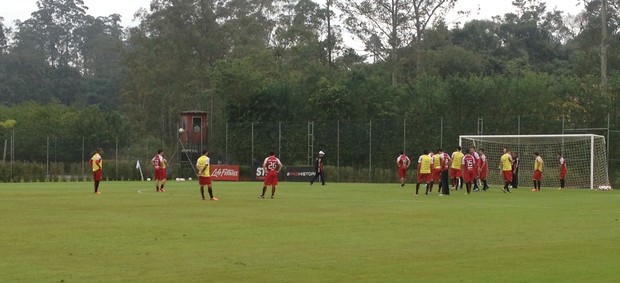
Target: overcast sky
12,10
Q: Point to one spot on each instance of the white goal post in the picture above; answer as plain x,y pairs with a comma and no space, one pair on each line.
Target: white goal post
585,155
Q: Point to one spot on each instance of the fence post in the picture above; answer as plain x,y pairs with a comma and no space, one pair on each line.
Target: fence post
370,153
338,148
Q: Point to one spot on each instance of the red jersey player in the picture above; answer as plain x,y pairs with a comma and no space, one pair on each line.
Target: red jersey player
159,162
403,163
96,164
272,166
563,170
476,156
484,170
470,170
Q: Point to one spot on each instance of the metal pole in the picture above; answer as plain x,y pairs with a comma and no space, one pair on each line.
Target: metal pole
226,144
116,160
12,151
83,157
592,162
280,139
252,158
404,134
370,153
47,159
338,148
441,133
519,125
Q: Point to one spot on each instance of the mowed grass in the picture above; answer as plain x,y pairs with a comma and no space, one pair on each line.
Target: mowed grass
62,232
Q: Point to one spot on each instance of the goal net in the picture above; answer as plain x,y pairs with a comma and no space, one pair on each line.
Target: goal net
585,155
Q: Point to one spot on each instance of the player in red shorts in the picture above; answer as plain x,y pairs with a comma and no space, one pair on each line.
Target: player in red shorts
484,169
203,165
455,167
160,164
470,170
425,163
96,163
272,166
505,167
435,171
563,170
538,168
403,163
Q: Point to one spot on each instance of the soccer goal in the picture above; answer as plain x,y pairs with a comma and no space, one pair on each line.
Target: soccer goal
585,155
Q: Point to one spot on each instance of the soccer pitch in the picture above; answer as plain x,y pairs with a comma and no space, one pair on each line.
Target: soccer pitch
62,232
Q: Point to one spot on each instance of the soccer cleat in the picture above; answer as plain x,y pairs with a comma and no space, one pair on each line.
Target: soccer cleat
534,190
476,190
162,190
415,195
214,198
203,199
271,196
504,190
261,196
559,189
97,192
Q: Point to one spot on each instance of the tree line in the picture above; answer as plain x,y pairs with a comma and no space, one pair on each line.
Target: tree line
275,60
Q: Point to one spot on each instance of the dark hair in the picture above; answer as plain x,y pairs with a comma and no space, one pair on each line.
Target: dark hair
458,148
272,153
536,153
160,151
205,151
401,152
481,149
425,151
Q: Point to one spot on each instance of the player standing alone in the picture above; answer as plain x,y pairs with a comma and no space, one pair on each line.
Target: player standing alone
203,165
272,166
506,168
538,168
470,169
160,164
96,163
318,168
424,171
563,170
445,172
403,163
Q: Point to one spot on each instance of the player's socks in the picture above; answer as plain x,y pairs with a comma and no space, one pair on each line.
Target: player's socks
273,191
264,190
562,183
202,192
402,185
417,188
210,191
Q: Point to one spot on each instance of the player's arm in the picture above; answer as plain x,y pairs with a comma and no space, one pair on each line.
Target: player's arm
279,166
408,162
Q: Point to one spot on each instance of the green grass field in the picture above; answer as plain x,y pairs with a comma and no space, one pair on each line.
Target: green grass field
62,232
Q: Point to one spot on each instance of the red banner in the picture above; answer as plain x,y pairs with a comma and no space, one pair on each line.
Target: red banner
225,172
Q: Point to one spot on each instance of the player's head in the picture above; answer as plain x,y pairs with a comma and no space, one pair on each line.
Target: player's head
506,150
536,153
98,150
272,153
205,152
439,151
458,148
401,152
321,153
159,151
425,151
481,150
472,148
559,154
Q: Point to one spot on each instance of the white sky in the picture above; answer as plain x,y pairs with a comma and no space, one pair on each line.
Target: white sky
12,10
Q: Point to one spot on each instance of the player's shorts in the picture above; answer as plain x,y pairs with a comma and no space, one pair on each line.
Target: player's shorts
160,174
469,176
507,175
425,178
402,172
271,179
537,175
204,181
483,174
97,175
436,175
455,173
562,173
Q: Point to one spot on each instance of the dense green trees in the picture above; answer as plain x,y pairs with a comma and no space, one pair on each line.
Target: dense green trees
271,60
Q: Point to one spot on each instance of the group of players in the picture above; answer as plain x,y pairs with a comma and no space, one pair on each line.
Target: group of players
439,167
271,165
472,167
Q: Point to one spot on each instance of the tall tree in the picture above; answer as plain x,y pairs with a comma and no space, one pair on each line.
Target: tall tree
395,23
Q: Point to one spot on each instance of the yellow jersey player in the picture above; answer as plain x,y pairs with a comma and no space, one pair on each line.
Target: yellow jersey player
204,174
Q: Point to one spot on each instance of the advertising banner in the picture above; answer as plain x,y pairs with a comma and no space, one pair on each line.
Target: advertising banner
225,172
300,173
